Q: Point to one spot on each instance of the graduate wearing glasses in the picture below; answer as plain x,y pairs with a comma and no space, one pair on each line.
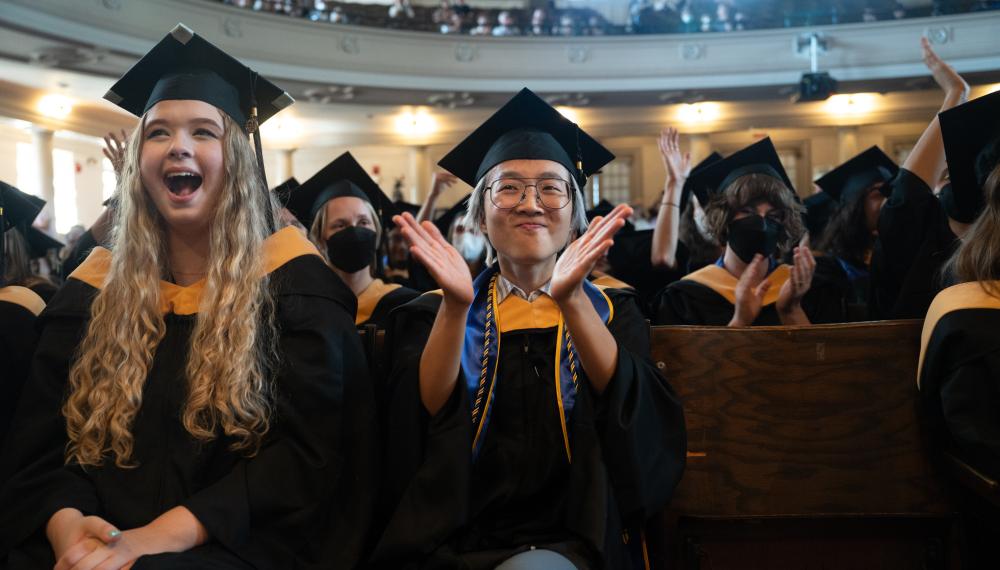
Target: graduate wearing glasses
527,426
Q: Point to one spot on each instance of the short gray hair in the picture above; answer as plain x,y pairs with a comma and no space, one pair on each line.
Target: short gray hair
475,213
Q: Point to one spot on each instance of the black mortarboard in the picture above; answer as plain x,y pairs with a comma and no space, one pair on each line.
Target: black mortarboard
972,146
342,177
758,158
845,182
404,206
603,208
284,190
819,208
445,220
39,242
183,65
526,127
17,210
688,187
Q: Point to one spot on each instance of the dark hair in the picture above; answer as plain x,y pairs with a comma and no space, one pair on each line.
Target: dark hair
751,189
701,250
846,234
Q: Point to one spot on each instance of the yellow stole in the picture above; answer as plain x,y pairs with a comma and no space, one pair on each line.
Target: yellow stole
369,298
280,248
724,283
957,297
22,296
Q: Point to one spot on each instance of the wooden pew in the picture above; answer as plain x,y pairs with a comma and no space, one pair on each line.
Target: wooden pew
804,450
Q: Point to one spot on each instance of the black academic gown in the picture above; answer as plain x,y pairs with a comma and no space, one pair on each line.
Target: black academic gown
303,501
707,296
914,242
444,510
960,374
960,403
378,300
19,308
851,283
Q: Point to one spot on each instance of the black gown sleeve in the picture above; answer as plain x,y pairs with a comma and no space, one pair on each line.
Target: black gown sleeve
913,243
17,343
78,254
36,482
639,420
970,398
428,459
279,499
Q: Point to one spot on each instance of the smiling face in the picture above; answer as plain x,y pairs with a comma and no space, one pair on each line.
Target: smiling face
529,232
181,161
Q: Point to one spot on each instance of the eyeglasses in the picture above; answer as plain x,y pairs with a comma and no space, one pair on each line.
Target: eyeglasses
508,193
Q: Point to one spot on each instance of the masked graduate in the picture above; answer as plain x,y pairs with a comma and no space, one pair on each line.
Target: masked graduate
960,355
754,213
859,188
527,426
19,306
918,232
346,212
199,397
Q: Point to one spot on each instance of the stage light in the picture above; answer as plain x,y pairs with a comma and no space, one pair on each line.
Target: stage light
696,113
570,113
55,106
417,123
851,104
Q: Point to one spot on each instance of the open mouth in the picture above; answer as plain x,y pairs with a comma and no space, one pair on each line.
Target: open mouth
182,183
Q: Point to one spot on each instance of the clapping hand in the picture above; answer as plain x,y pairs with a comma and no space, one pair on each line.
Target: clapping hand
114,150
792,292
579,258
442,261
750,291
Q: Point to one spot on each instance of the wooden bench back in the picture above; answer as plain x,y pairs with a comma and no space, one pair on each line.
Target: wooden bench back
800,421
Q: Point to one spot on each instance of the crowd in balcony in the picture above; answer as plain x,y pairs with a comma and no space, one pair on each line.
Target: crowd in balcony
645,16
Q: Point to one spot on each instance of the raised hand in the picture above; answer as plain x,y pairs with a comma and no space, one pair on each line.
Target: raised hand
442,180
790,296
750,291
579,258
677,163
944,75
114,150
442,261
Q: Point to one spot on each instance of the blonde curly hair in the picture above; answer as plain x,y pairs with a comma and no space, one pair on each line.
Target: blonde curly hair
232,349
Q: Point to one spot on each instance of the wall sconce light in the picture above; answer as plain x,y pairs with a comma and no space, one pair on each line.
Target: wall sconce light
415,123
55,106
696,113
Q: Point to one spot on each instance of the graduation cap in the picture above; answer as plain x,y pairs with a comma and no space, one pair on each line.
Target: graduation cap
39,242
445,220
284,190
845,182
183,65
404,206
972,146
342,177
17,210
526,127
758,158
819,208
603,208
688,187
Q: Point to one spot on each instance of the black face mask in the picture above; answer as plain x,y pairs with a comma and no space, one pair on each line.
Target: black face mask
351,249
752,235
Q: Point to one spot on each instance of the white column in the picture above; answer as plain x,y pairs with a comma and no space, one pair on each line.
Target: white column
847,143
285,166
417,175
41,141
700,147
